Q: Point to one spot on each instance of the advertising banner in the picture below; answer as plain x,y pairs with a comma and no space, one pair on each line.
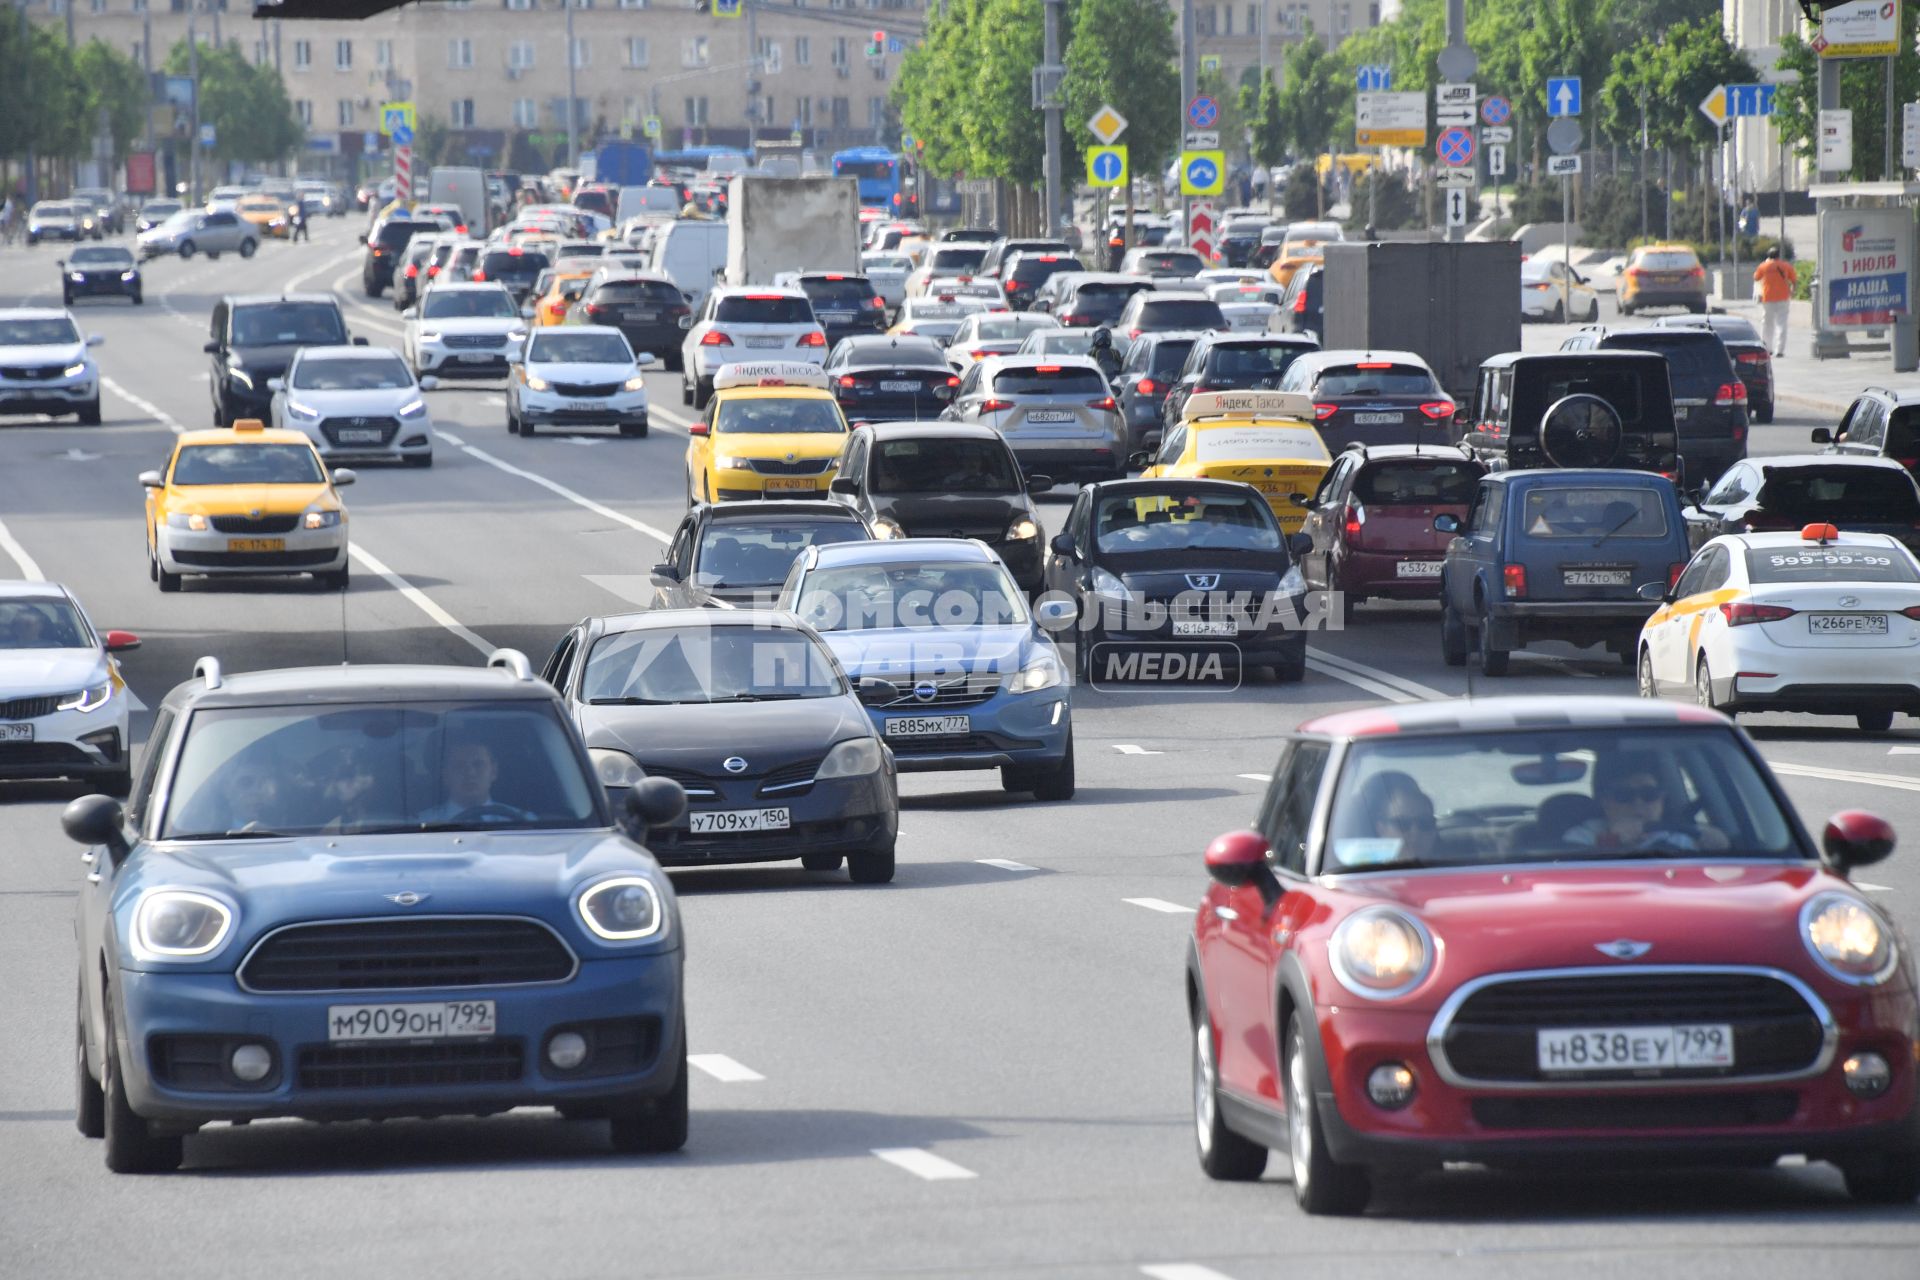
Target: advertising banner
1866,257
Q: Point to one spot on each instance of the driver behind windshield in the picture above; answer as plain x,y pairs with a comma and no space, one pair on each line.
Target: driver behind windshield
468,774
1633,812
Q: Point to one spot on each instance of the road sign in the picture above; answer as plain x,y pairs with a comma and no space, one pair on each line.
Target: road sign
397,113
1455,95
403,135
1836,140
1203,173
1456,206
626,130
1563,95
1209,62
207,135
1745,100
1390,120
1457,62
1563,166
1107,125
1497,160
651,126
726,8
1202,112
896,45
1910,135
1563,136
370,141
1455,147
1200,229
1496,110
1714,105
1444,177
1373,78
1502,133
1453,117
1201,140
1859,29
1106,166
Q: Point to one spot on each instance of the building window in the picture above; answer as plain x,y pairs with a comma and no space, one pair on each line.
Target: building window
1206,21
582,52
343,55
302,55
876,112
304,109
839,51
803,112
842,112
526,113
696,112
636,51
693,51
520,54
99,6
346,113
460,54
137,54
1229,17
462,114
139,6
802,51
383,53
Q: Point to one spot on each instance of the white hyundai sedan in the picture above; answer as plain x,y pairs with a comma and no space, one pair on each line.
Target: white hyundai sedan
357,404
1816,621
464,330
63,704
578,375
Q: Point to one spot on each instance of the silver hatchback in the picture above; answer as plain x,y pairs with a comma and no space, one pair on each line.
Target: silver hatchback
1057,412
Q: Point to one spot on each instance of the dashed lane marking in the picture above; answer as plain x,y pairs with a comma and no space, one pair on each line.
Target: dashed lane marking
923,1164
1134,749
1892,780
29,567
144,405
1159,904
1183,1271
420,599
1872,888
1255,777
554,486
723,1068
1005,864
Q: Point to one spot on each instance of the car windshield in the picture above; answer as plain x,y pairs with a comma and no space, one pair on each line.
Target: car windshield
1171,263
464,304
47,331
247,464
1093,303
1070,343
359,373
1248,365
362,769
1730,328
1831,563
1030,270
1182,313
708,664
776,416
1371,379
1138,524
763,308
886,597
49,622
1417,482
100,257
1050,380
955,261
1007,328
160,209
53,211
759,552
579,348
895,355
1169,357
841,293
1666,260
944,466
1593,512
884,262
1841,495
1591,793
643,291
515,264
938,330
307,324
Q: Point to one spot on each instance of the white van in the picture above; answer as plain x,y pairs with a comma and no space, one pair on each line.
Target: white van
693,254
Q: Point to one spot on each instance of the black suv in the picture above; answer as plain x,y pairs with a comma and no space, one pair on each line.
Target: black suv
1709,399
649,309
385,243
254,338
1881,423
845,304
1607,409
1303,306
1234,362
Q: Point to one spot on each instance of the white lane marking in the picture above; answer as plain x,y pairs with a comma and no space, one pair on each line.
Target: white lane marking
1183,1271
553,486
1256,777
1903,751
923,1164
1158,904
421,600
637,588
498,402
294,282
144,405
1846,775
1348,665
1134,749
1005,864
1872,888
585,442
81,455
29,567
449,437
1374,687
723,1068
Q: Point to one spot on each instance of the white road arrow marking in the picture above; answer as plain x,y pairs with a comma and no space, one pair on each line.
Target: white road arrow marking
81,455
29,567
923,1164
1005,864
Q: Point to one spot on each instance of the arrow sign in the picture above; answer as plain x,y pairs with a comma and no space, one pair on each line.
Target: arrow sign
1202,173
1107,166
1714,105
1456,206
1563,95
1497,159
1373,78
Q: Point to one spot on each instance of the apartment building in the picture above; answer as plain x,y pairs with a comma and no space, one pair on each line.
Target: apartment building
1755,26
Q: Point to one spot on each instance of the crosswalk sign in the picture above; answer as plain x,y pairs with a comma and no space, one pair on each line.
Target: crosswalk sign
397,116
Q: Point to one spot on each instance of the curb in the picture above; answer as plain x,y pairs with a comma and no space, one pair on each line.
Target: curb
1834,407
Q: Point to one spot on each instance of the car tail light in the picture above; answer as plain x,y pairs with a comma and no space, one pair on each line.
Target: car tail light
1438,408
952,381
1041,368
1146,386
1739,615
1104,402
1730,393
1634,273
1674,571
983,354
814,339
1300,303
1698,273
1374,364
848,380
678,311
479,275
432,272
1752,357
1911,611
715,338
1133,333
879,303
379,252
413,270
995,406
1322,412
1514,578
1356,521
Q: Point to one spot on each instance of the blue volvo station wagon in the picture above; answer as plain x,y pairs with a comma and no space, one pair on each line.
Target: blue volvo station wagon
366,892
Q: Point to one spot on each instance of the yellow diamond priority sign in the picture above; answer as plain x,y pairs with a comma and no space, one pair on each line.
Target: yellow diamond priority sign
1106,166
1107,125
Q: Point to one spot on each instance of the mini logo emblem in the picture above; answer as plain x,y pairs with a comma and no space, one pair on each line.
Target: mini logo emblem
1203,581
926,691
1848,602
1623,948
407,899
734,764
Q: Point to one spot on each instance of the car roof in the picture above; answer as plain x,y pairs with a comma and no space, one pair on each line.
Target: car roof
1470,715
760,290
35,313
655,619
1900,395
1027,360
912,550
1168,295
1610,333
1389,452
1165,335
1355,355
1507,359
1768,462
360,682
775,508
555,330
261,299
21,589
1138,485
932,429
1581,475
344,352
468,286
266,435
1215,338
1769,541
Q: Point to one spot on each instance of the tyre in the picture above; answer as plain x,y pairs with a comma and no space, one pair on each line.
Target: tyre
1874,721
1697,308
875,866
375,290
139,299
1320,1185
1895,1179
1056,783
89,414
1490,661
1225,1156
1703,685
169,582
213,255
686,392
66,299
335,579
89,1101
658,1125
131,1146
118,784
247,248
186,248
1648,687
1453,637
1291,672
1559,314
821,861
513,422
1763,413
702,393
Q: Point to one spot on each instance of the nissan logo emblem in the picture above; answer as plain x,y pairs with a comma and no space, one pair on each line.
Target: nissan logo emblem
734,764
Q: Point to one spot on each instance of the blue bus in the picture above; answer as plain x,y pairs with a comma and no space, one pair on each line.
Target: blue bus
886,178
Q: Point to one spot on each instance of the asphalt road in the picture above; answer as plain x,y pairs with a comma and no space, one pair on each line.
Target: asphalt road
1012,1037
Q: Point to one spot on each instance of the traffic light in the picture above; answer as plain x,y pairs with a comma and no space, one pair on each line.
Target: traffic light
877,45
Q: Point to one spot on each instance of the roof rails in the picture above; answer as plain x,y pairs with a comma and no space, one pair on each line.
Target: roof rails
510,660
208,669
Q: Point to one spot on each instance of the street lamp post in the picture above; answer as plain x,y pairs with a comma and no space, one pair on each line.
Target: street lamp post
573,97
193,73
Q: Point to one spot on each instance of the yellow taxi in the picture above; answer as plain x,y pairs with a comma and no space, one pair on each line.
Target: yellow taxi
772,430
1295,254
1262,438
562,292
246,501
268,215
1663,275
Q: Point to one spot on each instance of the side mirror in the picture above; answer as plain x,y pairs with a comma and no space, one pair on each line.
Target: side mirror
1446,522
1037,485
343,477
152,480
92,820
1240,858
1062,544
1853,838
1144,458
697,428
359,342
411,313
874,692
663,573
656,803
1055,615
844,484
1299,544
1652,591
1822,435
1299,499
646,358
121,641
429,383
212,348
526,311
276,384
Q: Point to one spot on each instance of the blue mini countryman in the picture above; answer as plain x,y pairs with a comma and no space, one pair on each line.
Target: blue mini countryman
357,892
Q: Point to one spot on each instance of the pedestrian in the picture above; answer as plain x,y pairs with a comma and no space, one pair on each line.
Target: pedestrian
297,221
1776,279
1750,218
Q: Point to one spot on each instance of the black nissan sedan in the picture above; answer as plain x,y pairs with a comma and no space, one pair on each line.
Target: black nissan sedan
95,271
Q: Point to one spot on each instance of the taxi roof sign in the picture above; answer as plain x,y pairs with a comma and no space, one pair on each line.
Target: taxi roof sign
770,373
1249,404
249,424
1822,533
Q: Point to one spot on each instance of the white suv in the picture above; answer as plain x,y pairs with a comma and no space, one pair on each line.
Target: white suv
751,323
464,329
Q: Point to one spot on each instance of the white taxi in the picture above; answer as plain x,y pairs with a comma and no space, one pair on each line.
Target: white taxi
1815,621
747,323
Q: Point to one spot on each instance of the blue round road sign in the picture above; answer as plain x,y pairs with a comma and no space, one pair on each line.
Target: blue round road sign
1202,173
1496,110
1203,112
1455,147
1106,167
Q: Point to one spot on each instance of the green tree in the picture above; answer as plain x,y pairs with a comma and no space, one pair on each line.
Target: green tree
1123,54
1863,90
1310,96
1668,75
935,75
117,86
42,99
1269,126
247,105
1003,131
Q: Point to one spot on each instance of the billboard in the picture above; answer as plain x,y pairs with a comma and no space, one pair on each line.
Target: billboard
1859,29
1866,259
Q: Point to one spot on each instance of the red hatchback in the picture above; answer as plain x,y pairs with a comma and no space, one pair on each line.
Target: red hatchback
1371,520
1556,931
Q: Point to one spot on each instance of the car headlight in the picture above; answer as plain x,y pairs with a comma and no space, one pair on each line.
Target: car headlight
240,376
1380,953
91,698
129,275
537,383
429,335
322,519
615,768
181,520
1848,939
1106,584
854,758
297,410
1293,582
413,408
178,924
635,383
885,528
624,909
1041,672
728,462
1022,529
76,277
516,335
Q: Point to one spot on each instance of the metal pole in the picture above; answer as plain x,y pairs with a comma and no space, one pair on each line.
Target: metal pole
146,65
193,73
1457,39
1263,42
1050,99
1643,166
1666,159
573,96
1887,170
1566,246
1783,184
1189,76
70,4
754,72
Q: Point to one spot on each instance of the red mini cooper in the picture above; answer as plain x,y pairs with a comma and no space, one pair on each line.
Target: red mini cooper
1567,930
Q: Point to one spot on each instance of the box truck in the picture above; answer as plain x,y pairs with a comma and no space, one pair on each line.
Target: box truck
791,224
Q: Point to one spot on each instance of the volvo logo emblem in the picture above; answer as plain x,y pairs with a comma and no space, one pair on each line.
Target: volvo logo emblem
407,899
926,691
1623,948
1203,581
734,764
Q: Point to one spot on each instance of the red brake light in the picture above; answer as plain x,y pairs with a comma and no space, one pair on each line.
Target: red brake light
1911,611
1752,357
1374,364
1739,615
834,277
432,272
1356,518
479,275
1698,273
1514,578
814,339
1674,571
594,309
995,406
1438,408
979,355
763,297
1321,412
1104,402
1300,303
516,252
847,380
1049,257
715,338
1133,333
1146,386
413,270
1043,368
879,303
952,381
1730,393
461,229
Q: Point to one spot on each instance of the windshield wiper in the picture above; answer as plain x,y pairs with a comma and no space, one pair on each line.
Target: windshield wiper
756,697
253,833
630,702
1625,520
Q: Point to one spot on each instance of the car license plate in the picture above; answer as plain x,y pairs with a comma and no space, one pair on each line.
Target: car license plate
476,357
729,820
686,322
1379,419
16,733
639,315
440,1020
782,484
256,544
1597,577
927,726
359,435
765,342
1694,1045
582,406
1417,569
1049,415
1847,624
1679,413
900,386
1205,627
835,317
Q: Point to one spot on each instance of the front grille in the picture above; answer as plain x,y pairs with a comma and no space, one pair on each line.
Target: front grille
429,951
1210,606
585,389
473,341
1633,1111
1491,1036
693,782
254,559
401,1066
265,524
789,779
952,691
330,428
949,745
29,708
35,373
798,467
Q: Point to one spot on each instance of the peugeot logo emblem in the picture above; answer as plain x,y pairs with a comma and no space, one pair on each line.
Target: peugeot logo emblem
407,899
1848,602
734,764
1203,581
1623,948
926,691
